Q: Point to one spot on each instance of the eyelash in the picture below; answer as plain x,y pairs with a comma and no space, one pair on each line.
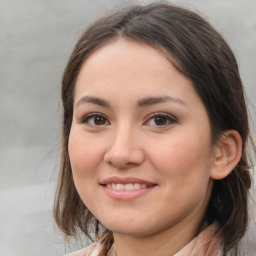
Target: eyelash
86,119
170,119
167,117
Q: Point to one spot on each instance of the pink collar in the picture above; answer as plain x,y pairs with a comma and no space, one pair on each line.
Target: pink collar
207,243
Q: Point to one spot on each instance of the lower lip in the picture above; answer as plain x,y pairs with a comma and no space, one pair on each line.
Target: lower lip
126,194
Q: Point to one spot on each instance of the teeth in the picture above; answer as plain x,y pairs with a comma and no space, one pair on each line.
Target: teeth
129,186
119,187
136,186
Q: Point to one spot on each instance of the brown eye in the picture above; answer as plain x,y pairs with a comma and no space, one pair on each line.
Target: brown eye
99,120
161,120
95,120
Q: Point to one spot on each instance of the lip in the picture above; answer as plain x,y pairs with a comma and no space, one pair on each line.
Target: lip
126,194
126,180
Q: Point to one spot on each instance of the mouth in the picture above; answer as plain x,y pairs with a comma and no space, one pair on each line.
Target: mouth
126,188
129,186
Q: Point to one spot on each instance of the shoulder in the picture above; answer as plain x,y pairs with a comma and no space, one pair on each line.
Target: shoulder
92,250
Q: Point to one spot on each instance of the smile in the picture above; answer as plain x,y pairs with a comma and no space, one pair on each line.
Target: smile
126,188
129,186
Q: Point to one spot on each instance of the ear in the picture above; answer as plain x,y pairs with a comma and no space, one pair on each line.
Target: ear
227,154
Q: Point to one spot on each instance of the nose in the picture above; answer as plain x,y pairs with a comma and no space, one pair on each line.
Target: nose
124,150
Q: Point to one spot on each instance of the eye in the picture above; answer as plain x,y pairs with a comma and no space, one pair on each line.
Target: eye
160,120
95,119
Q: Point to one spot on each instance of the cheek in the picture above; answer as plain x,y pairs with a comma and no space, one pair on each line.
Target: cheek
184,158
84,164
184,168
84,154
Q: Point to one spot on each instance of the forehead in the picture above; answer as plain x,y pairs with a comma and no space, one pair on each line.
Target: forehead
125,53
122,62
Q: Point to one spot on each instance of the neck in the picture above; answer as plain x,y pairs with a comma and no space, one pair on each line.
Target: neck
165,243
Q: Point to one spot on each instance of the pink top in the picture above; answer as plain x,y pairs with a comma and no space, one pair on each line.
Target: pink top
207,243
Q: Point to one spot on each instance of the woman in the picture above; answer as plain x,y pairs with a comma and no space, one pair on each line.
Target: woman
154,140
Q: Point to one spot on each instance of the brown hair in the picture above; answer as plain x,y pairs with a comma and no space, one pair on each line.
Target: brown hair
199,53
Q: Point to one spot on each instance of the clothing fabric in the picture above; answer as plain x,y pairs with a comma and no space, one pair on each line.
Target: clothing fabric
207,243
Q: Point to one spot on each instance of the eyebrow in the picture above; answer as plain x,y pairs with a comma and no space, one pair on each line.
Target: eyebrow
95,100
142,102
155,100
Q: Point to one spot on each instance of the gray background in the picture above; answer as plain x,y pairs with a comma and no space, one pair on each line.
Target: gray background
36,38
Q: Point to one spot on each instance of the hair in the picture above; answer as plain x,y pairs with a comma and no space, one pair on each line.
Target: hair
198,52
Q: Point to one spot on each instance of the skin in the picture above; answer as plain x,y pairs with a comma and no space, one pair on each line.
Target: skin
130,137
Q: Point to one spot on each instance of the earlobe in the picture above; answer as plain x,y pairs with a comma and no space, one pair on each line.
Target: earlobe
227,154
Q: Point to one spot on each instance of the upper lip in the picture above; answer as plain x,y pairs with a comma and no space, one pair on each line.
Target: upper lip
127,180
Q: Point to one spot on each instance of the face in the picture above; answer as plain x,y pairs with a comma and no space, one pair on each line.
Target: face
140,142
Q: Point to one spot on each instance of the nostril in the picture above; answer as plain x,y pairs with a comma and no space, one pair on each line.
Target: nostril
123,157
117,159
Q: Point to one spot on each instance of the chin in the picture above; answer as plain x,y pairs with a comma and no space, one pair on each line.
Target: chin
126,226
129,230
